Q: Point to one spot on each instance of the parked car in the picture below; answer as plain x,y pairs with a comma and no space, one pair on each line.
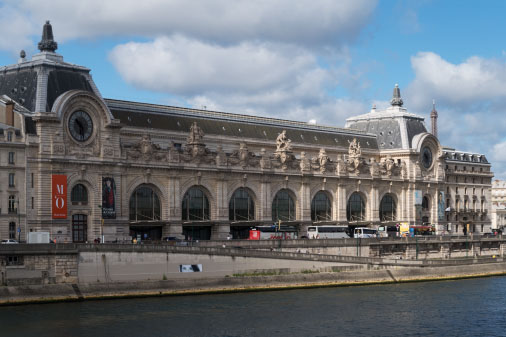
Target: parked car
9,241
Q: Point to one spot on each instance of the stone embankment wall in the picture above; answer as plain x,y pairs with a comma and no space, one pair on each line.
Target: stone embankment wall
109,263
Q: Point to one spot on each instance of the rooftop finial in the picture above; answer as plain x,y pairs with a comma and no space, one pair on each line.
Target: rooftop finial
47,43
396,99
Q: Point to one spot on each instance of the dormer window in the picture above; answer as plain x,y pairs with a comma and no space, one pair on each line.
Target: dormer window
9,136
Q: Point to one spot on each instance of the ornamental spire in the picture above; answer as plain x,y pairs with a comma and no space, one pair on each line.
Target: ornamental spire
47,43
396,99
433,118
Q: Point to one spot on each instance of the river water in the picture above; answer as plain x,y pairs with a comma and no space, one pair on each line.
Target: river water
474,307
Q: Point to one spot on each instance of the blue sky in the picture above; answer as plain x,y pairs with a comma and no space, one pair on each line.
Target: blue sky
320,59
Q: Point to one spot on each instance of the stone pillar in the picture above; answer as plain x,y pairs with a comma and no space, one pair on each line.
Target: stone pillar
221,229
373,202
264,200
304,202
174,223
341,203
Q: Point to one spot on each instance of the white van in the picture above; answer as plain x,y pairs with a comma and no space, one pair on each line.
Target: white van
364,232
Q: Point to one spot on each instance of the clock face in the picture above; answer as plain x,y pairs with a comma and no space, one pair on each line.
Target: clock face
80,126
426,157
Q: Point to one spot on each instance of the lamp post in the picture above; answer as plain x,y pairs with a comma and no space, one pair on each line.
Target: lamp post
19,220
101,225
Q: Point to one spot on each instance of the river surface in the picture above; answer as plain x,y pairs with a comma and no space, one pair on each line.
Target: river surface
475,307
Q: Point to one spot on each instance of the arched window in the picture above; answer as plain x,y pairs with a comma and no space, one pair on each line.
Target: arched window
355,210
388,209
195,205
283,207
321,209
241,206
425,204
144,205
79,194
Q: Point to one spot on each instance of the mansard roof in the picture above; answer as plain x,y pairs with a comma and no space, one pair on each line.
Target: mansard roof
395,127
142,115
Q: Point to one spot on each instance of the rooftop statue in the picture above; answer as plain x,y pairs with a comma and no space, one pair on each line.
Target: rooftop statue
283,143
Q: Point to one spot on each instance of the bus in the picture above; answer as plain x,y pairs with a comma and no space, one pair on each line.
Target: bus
364,232
388,231
327,232
273,232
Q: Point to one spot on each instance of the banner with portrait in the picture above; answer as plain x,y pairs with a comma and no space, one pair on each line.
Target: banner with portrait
441,206
108,198
418,206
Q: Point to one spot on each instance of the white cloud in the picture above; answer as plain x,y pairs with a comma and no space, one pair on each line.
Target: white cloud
306,22
267,79
184,66
499,152
470,99
475,79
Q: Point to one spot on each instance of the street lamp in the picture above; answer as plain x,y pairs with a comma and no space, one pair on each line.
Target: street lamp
101,225
19,220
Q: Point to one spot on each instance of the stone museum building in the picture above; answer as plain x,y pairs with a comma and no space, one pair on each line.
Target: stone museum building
83,167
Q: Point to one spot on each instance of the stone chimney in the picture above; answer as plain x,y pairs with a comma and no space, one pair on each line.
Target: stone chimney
9,113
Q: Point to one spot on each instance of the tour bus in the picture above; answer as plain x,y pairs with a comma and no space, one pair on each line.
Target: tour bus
327,232
273,232
364,232
388,231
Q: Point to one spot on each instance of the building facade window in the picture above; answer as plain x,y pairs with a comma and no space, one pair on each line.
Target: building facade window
11,157
195,205
283,207
144,205
321,208
388,208
425,203
12,204
355,209
31,178
79,195
11,179
12,230
79,228
9,136
241,206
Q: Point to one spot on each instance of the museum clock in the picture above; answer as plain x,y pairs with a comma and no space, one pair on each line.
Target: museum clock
80,126
426,157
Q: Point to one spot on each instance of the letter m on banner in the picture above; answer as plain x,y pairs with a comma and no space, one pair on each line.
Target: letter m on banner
59,196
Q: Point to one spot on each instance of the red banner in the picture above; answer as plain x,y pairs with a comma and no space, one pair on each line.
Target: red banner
59,196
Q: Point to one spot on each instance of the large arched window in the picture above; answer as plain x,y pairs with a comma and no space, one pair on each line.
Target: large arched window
388,209
241,206
144,204
195,205
355,210
283,207
79,195
321,209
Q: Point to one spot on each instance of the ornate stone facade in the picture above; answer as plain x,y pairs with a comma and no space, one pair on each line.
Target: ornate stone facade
203,174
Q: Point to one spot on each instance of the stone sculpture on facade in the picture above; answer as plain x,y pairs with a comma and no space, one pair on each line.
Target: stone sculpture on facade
321,162
283,151
354,153
265,162
388,166
305,164
243,157
146,150
195,149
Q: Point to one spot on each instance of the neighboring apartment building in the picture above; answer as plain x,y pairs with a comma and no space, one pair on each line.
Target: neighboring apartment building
87,166
498,205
